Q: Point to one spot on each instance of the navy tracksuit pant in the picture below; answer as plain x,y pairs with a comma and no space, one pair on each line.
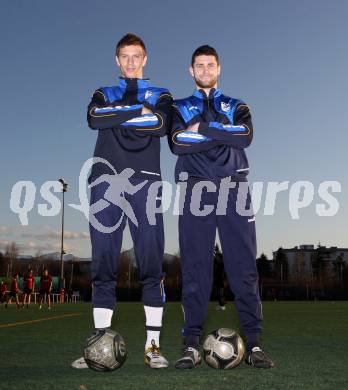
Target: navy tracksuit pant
238,242
148,243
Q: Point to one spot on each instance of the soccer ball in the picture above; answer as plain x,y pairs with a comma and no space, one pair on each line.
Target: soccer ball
223,349
105,350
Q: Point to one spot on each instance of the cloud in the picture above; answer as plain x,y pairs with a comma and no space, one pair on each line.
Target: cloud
33,246
5,230
56,234
41,239
76,235
4,243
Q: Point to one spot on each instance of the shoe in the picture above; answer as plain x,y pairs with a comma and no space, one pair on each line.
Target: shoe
190,358
218,307
40,307
257,358
49,307
154,358
79,364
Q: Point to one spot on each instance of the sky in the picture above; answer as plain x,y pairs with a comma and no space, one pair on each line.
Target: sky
287,59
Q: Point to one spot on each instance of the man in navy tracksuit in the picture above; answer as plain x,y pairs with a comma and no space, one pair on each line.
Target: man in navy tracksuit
130,119
209,133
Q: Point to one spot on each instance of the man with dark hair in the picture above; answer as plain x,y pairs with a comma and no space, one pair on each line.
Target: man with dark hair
209,133
130,119
29,283
205,50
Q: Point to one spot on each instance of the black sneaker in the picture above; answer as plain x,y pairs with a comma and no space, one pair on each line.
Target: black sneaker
257,358
190,358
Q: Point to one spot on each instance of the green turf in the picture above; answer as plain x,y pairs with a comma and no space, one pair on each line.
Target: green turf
307,340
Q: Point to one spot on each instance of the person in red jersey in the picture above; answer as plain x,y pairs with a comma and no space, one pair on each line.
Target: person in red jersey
45,289
14,291
29,283
3,291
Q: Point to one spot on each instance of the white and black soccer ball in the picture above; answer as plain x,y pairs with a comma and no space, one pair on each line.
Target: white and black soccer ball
223,348
105,350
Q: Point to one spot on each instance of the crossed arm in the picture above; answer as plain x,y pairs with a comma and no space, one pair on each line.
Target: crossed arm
202,136
144,118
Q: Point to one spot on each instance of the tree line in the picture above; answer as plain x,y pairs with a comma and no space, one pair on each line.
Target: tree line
322,279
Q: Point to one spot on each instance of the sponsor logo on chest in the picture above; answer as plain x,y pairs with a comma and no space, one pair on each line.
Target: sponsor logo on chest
225,107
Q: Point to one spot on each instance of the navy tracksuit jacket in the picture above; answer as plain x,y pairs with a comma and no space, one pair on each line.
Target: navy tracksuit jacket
213,153
127,139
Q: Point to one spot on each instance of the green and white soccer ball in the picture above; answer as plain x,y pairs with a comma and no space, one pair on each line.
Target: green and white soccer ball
223,349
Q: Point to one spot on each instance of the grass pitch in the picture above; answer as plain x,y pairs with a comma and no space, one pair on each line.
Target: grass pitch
308,342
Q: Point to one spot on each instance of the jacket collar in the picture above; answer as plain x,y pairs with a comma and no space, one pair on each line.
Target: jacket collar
133,83
200,94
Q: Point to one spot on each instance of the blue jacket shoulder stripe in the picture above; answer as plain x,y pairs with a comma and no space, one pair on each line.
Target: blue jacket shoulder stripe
189,107
151,94
112,93
226,105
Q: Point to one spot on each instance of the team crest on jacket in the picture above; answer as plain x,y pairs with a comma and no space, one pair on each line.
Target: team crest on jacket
148,94
225,106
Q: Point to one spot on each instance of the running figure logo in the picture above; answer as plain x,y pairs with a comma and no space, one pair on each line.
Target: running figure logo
119,185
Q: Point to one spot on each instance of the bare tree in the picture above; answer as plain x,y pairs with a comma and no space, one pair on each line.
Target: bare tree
11,253
320,267
338,269
281,266
2,264
264,268
172,270
39,266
